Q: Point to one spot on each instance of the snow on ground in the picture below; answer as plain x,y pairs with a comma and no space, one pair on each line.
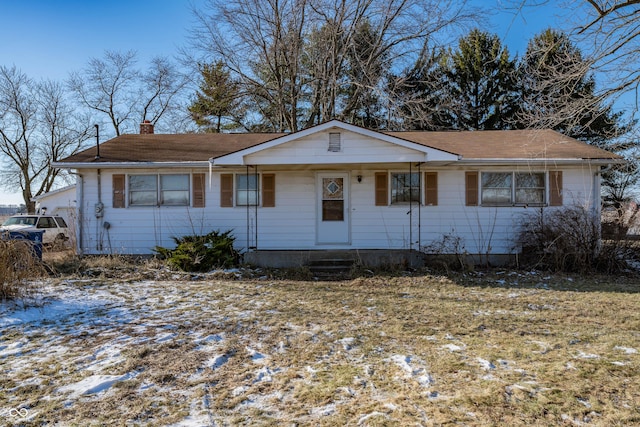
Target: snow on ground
93,340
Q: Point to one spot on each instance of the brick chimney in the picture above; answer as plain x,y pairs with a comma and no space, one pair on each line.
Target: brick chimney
146,128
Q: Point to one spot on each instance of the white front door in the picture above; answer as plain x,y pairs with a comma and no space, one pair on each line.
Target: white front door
332,191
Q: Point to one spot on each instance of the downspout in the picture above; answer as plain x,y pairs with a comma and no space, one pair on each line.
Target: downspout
98,213
79,204
99,207
597,201
410,212
419,206
255,242
248,207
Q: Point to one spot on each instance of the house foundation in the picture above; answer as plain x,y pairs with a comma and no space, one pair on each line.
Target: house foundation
362,257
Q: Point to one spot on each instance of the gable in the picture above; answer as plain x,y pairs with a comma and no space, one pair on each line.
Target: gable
336,144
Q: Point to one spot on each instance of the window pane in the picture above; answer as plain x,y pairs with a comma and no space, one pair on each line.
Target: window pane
496,180
174,190
530,188
46,222
174,182
143,182
405,187
143,198
333,210
61,222
530,195
496,196
246,190
175,198
496,188
332,188
246,198
143,190
530,180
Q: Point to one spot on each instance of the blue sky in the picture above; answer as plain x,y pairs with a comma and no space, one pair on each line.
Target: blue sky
51,38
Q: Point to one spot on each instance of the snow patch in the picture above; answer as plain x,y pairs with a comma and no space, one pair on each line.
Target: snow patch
419,374
217,361
452,347
95,384
485,364
365,418
627,350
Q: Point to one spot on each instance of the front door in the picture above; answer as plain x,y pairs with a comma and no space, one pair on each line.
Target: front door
332,191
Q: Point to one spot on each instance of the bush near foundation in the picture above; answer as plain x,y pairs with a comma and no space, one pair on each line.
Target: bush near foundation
18,266
201,253
568,239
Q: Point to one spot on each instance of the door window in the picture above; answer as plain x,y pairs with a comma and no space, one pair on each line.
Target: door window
332,199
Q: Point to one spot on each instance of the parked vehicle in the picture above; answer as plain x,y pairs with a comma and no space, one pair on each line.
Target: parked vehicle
56,231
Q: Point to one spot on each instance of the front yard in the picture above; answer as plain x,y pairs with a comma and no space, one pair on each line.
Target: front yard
492,348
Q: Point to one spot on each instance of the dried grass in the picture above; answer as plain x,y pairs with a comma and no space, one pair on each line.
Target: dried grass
19,266
482,348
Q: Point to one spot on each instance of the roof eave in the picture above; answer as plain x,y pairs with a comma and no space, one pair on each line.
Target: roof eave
128,165
545,161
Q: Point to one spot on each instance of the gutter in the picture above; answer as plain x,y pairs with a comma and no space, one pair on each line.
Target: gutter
558,161
128,165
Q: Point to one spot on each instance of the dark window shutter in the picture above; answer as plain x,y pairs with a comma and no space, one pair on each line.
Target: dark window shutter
471,188
118,191
197,189
226,190
382,188
555,188
268,190
431,189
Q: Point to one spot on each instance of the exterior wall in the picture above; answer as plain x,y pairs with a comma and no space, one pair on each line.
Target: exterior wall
291,224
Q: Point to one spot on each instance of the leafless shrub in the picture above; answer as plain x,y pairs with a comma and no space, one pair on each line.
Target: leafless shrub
447,252
568,239
18,266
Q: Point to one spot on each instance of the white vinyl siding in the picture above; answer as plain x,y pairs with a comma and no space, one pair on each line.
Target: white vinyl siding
291,223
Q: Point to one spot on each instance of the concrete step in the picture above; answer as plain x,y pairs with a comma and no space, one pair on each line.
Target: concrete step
331,268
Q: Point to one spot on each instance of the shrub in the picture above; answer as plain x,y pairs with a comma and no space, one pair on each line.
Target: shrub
567,239
201,253
448,253
18,266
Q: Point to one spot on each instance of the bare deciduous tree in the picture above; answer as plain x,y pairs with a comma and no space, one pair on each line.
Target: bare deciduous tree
613,28
37,127
559,92
114,87
607,31
302,62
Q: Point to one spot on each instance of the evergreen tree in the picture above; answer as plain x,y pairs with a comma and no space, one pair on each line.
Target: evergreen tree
481,84
419,93
217,102
558,92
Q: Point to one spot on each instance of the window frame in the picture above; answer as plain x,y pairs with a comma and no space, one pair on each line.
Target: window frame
514,189
418,188
249,191
159,190
265,191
